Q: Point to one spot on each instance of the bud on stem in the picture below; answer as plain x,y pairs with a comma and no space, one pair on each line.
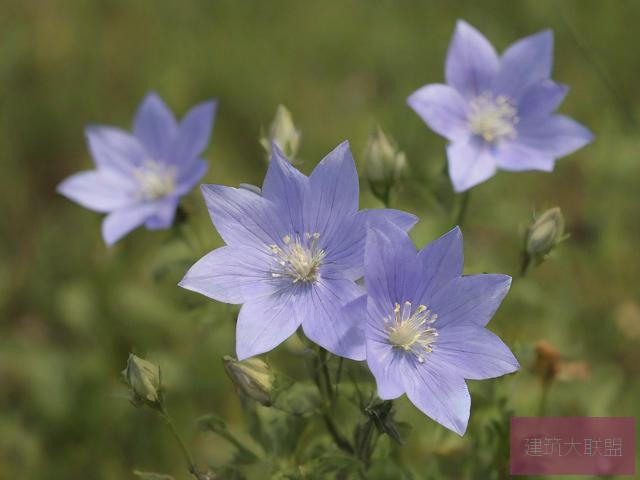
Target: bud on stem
543,235
384,165
252,378
283,133
145,381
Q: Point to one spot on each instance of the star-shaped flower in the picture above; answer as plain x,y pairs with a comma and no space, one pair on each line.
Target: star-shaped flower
498,112
425,323
293,253
140,177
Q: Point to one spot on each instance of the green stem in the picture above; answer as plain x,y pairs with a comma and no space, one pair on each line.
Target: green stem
462,211
544,398
183,447
526,263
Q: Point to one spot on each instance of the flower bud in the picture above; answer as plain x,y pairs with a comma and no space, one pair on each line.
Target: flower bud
145,381
252,377
544,234
283,132
384,164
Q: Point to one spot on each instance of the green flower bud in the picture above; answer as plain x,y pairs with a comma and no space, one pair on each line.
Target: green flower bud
384,164
284,133
545,233
145,380
252,377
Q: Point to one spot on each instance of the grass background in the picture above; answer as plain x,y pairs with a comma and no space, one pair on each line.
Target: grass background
71,309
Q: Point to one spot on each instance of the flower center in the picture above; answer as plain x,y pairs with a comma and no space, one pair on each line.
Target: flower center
412,331
155,180
299,258
493,119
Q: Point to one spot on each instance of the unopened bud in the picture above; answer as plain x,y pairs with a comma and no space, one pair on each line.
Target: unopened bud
283,133
548,361
145,381
252,377
545,234
384,164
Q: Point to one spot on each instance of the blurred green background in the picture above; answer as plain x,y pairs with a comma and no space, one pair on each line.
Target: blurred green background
71,309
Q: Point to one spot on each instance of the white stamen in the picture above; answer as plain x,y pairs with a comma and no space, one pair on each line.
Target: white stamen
155,180
299,258
493,119
412,332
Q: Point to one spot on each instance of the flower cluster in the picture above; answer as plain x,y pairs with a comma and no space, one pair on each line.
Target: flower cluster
299,254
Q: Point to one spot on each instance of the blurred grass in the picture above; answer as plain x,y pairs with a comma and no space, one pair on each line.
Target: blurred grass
72,309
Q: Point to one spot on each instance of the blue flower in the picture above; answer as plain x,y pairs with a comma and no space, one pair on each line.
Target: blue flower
140,177
293,253
425,323
498,112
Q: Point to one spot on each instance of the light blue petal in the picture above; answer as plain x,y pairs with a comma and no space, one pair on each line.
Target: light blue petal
323,322
333,192
443,109
470,164
155,126
120,222
515,157
287,188
115,150
231,275
526,62
265,323
391,267
472,298
387,366
556,136
242,217
189,178
472,62
164,215
440,262
438,393
194,133
541,100
98,190
475,352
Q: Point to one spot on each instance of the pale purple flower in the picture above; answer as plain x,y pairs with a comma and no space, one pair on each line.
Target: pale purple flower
425,323
140,177
498,112
293,253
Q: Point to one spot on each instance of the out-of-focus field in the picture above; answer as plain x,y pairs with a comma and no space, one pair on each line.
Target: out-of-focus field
72,309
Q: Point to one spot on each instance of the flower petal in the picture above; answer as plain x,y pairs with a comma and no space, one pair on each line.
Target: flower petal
472,298
194,133
556,135
155,126
475,352
443,109
514,157
440,262
115,150
470,163
242,217
189,178
472,62
541,100
438,393
526,62
265,323
231,275
333,192
120,222
287,188
391,269
98,190
324,323
386,365
164,214
346,252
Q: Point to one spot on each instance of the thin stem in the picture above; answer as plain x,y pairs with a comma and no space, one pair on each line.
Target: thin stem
338,374
462,211
183,447
526,263
325,393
